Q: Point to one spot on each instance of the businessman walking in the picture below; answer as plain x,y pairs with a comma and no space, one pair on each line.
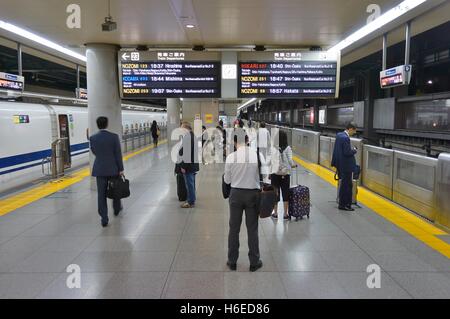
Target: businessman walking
108,164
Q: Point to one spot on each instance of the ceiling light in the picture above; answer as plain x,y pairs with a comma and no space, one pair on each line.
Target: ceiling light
430,82
190,26
38,39
384,19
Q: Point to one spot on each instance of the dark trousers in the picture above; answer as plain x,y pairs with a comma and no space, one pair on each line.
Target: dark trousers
189,179
102,185
345,193
240,201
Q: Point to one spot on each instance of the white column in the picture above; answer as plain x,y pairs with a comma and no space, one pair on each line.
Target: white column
103,88
173,116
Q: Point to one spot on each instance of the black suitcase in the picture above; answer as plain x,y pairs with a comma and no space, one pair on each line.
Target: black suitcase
181,188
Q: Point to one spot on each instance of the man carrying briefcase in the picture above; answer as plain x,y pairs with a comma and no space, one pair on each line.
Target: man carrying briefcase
108,166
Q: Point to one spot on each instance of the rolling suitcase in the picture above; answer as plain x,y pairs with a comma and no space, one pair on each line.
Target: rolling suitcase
181,188
299,201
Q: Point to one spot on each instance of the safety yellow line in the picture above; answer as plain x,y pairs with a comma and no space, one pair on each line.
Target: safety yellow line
22,199
415,226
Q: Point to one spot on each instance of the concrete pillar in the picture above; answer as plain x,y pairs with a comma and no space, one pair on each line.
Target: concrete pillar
103,88
173,116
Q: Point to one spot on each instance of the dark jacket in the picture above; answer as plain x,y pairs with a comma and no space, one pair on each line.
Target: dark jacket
108,155
343,154
189,160
154,130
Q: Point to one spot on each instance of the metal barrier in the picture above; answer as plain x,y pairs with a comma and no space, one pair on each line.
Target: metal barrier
306,144
55,163
139,138
414,183
442,191
378,170
325,152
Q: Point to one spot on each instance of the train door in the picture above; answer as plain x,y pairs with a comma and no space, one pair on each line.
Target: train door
64,133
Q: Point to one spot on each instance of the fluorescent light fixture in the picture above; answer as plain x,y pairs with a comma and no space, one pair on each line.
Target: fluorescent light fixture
190,26
247,103
384,19
142,107
38,39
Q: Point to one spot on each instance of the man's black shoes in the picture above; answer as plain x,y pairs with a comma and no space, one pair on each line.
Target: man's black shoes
118,212
348,209
254,268
104,224
232,266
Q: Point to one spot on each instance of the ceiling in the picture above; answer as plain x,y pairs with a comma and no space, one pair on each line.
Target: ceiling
219,23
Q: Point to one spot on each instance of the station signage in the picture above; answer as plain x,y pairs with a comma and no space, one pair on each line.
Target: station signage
11,82
398,76
288,75
155,74
81,94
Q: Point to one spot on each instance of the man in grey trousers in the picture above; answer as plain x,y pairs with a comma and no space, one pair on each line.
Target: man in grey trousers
242,173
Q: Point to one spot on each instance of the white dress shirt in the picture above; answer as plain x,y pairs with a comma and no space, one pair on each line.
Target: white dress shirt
241,168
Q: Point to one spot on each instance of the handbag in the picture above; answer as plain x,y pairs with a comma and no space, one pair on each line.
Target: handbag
118,188
268,196
226,188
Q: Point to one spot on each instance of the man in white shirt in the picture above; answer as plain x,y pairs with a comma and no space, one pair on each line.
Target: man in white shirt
242,172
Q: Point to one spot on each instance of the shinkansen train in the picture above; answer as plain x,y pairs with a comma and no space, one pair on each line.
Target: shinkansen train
28,130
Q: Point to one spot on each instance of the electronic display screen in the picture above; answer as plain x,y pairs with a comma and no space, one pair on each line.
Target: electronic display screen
392,80
286,79
170,79
11,82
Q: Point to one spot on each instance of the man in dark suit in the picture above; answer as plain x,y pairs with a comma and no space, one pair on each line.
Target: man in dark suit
345,163
108,164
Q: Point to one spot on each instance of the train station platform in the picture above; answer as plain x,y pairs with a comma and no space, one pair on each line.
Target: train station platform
155,249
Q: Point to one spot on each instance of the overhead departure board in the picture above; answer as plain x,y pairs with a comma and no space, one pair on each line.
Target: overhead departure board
145,75
289,75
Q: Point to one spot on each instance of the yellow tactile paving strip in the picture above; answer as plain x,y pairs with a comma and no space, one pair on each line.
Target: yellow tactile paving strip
415,226
22,199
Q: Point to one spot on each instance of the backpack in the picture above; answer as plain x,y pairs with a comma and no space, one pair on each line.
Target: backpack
283,164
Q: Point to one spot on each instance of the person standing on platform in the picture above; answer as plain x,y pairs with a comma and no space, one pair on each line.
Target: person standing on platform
345,163
189,165
282,165
243,175
108,164
155,133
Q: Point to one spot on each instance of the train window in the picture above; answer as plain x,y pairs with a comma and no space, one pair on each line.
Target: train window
425,115
380,163
416,173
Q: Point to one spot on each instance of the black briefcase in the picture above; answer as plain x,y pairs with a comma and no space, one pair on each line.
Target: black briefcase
226,188
118,188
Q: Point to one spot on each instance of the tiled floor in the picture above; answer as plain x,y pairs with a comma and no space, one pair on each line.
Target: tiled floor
157,250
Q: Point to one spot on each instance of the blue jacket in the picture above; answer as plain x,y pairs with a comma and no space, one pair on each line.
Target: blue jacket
343,154
108,155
